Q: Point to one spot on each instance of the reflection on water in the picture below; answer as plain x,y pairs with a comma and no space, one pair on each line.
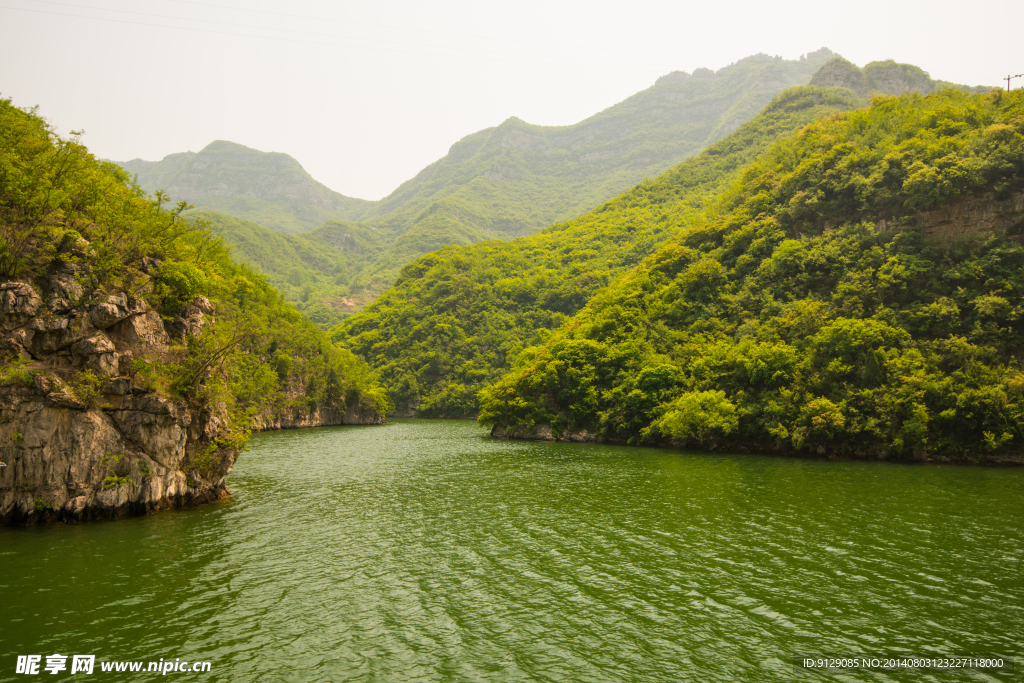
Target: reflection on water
425,551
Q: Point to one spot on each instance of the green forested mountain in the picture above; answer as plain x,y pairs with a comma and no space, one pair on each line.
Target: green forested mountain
510,180
498,183
268,188
859,291
455,319
62,211
517,178
312,270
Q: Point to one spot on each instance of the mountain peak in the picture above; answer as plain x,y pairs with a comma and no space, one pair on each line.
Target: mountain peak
887,77
270,188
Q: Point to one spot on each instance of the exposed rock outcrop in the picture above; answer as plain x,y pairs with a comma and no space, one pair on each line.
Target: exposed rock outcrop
982,213
299,413
81,437
104,446
544,433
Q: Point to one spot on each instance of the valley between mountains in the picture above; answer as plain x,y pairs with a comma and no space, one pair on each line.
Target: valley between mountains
793,256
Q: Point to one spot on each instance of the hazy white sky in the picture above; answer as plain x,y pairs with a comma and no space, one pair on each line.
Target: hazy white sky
365,94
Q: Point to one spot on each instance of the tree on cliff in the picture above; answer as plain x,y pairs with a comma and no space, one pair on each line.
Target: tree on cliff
81,229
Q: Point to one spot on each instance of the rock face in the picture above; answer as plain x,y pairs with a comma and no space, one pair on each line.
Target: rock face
74,450
543,433
81,437
67,463
316,416
982,213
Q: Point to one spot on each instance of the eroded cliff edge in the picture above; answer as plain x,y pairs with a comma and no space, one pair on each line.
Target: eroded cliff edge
81,434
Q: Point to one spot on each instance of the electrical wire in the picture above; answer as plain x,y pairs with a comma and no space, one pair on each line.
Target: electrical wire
623,67
443,33
333,35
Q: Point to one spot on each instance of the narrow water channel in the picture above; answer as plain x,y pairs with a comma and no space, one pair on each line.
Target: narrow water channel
426,551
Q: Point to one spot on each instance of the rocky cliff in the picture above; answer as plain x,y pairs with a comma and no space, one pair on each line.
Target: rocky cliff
984,213
81,435
297,413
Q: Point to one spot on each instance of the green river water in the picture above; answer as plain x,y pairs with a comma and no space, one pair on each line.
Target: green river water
426,551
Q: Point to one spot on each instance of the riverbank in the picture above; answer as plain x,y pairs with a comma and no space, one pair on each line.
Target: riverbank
425,550
84,434
983,457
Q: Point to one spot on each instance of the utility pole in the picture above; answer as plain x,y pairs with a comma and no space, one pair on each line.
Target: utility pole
1007,79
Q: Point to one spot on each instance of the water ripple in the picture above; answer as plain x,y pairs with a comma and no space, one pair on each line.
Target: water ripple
424,551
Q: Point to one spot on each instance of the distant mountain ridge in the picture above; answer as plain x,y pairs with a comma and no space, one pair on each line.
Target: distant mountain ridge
517,178
269,188
886,77
510,180
513,179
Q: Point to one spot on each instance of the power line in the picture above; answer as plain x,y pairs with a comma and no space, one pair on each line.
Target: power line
310,42
331,35
369,47
443,33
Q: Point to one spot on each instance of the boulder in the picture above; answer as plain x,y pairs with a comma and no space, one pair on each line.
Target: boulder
18,304
97,353
66,290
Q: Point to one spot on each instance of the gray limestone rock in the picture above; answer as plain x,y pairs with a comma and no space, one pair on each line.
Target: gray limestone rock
18,304
79,449
122,451
66,288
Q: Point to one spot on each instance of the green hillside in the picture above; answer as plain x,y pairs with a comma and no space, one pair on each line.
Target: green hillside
62,210
268,188
502,182
517,178
313,270
455,319
859,292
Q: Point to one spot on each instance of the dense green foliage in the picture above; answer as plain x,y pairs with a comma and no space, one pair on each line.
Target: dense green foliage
60,207
312,270
455,319
785,318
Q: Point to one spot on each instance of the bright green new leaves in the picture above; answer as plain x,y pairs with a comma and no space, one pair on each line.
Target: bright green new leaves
59,206
456,319
808,310
697,415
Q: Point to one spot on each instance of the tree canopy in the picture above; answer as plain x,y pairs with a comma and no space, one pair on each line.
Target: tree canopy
456,318
809,307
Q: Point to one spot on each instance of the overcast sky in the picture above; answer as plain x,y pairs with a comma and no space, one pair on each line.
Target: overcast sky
365,94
